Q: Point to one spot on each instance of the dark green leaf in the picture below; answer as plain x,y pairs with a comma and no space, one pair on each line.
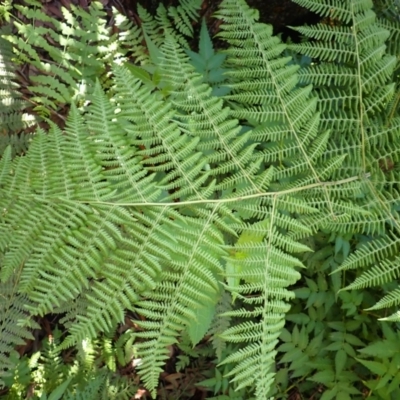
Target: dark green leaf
340,361
206,49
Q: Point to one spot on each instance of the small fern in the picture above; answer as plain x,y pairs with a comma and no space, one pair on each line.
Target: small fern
83,378
13,108
78,51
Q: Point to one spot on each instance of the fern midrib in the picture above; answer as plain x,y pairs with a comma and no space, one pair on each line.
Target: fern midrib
174,308
267,294
225,200
284,108
359,88
205,111
55,199
108,124
384,204
225,145
177,164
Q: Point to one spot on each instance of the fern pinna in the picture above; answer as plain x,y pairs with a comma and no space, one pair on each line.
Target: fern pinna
164,193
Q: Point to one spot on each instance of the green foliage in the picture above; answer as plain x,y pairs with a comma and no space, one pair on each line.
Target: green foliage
231,196
13,115
83,378
79,49
358,108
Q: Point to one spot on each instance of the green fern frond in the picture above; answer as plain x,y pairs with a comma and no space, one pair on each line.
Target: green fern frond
190,279
352,71
173,21
183,14
390,300
349,102
164,147
16,323
267,270
201,114
84,50
394,39
337,10
59,229
375,250
13,115
387,271
274,99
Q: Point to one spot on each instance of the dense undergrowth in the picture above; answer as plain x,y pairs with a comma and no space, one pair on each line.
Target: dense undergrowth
186,222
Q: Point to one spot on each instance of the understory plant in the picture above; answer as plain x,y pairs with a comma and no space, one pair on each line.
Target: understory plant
245,198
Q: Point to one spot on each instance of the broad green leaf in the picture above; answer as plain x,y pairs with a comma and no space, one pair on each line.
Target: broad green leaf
334,346
303,338
337,325
139,73
246,237
197,61
286,347
329,394
338,244
312,285
383,381
216,61
302,293
282,377
295,335
374,366
204,315
206,49
299,318
285,335
59,391
315,345
292,355
154,51
354,340
340,361
343,396
349,349
216,75
383,349
299,363
324,377
389,333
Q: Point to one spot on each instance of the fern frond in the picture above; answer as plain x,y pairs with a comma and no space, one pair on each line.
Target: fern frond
274,101
394,39
358,105
387,271
201,114
190,279
173,21
387,301
182,15
348,103
65,241
13,118
84,50
335,9
267,271
165,148
15,322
